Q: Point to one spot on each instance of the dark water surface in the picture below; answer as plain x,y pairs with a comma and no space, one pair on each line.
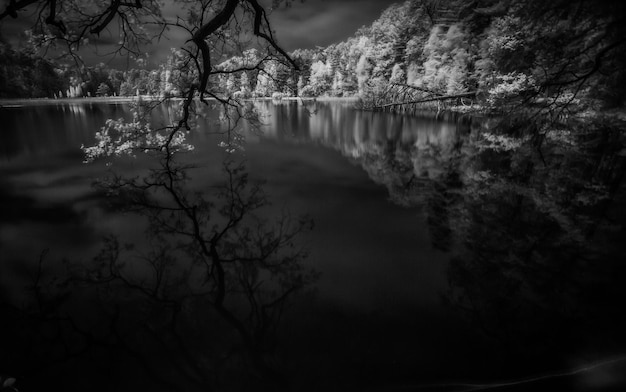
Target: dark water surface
381,190
372,252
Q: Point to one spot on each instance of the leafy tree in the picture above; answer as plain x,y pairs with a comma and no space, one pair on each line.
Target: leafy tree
103,90
397,75
154,83
337,85
245,85
127,89
115,78
320,81
23,74
363,72
264,84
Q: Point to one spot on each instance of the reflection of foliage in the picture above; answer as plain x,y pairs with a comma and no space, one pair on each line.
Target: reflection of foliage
532,211
240,266
426,176
207,296
215,254
200,308
537,231
7,384
445,194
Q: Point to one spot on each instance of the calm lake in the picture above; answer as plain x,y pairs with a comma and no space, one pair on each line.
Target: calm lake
384,192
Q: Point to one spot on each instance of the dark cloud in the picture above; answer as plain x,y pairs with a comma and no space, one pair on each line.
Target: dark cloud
323,22
304,24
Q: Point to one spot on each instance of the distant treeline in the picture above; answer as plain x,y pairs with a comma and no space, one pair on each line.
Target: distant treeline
24,75
502,50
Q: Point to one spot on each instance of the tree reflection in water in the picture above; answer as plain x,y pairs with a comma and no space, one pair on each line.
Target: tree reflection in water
531,210
534,238
197,305
539,231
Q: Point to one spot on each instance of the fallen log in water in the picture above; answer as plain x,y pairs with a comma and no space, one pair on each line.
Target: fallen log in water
432,99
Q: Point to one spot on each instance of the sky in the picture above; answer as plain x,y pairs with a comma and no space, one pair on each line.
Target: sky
303,24
322,22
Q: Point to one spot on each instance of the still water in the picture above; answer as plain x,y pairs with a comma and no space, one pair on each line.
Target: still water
329,165
390,311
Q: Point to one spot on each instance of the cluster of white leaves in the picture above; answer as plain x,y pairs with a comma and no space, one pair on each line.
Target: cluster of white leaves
500,143
562,137
478,181
505,34
509,85
227,147
592,195
321,77
568,98
119,138
506,42
397,75
235,143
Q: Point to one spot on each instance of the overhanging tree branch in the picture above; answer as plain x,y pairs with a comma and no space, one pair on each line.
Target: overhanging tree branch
14,6
259,17
200,36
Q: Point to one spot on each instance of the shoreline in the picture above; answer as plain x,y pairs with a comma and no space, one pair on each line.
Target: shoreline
8,103
17,102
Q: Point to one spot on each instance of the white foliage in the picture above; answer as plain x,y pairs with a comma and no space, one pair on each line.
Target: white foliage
363,70
397,75
321,77
118,138
505,35
511,84
500,143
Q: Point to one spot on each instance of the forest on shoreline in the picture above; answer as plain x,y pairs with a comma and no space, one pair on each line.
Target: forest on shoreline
499,52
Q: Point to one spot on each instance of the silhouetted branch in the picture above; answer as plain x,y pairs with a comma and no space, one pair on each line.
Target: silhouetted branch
14,6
